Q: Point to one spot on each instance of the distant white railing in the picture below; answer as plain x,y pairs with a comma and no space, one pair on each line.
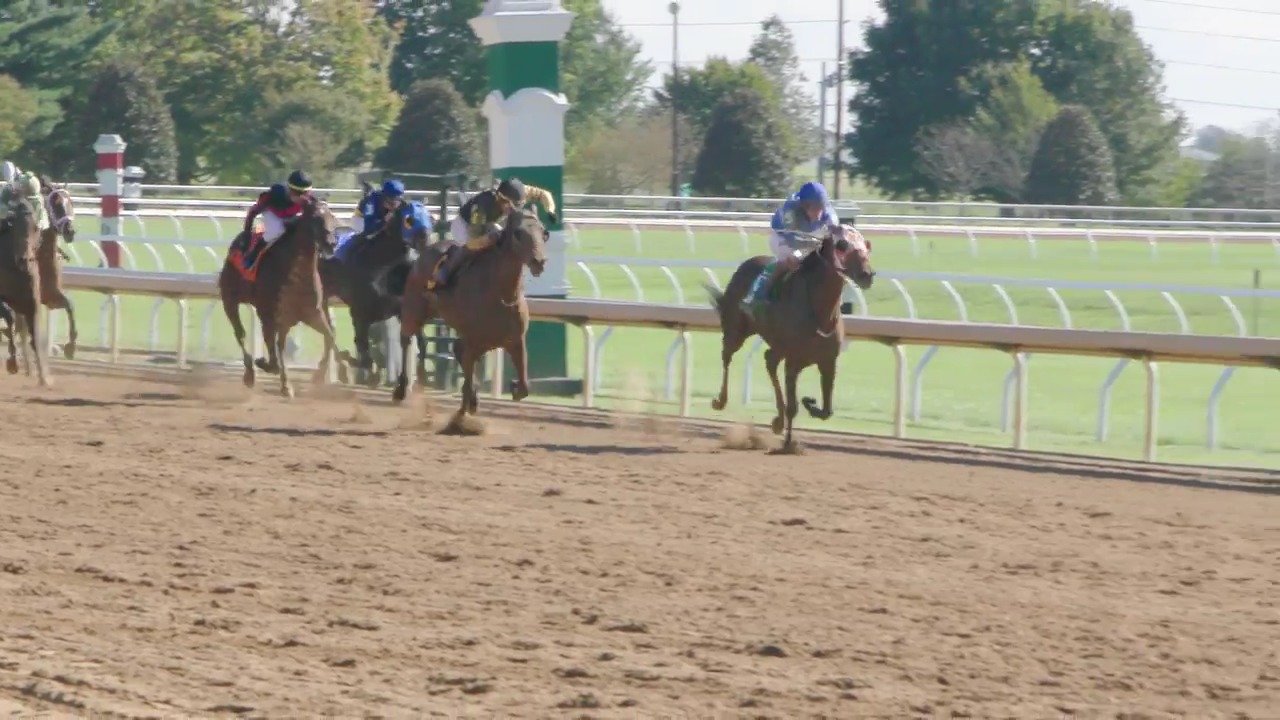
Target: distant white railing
867,207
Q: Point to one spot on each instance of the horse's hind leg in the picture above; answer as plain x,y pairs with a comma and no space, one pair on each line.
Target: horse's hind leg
366,373
60,301
422,357
827,369
520,361
280,336
771,360
467,359
734,333
270,332
793,407
12,331
232,309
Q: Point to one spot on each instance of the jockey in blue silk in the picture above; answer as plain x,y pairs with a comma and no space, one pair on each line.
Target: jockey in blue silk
378,207
808,212
381,207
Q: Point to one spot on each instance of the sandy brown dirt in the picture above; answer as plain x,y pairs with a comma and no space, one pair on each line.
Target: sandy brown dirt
162,554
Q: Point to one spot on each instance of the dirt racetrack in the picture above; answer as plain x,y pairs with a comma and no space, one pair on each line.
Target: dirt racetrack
172,549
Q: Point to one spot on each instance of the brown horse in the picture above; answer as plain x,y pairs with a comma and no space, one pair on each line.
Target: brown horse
20,278
285,290
801,325
484,303
50,257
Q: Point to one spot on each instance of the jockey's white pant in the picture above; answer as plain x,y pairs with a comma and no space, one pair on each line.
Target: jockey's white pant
782,250
458,230
272,227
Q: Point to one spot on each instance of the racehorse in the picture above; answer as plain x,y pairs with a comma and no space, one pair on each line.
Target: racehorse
370,281
484,302
284,288
20,279
50,257
801,325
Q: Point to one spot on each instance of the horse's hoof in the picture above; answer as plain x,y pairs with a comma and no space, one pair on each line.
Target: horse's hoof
248,378
46,382
320,376
814,411
11,365
397,395
717,404
790,447
776,425
286,392
69,351
519,391
372,380
343,377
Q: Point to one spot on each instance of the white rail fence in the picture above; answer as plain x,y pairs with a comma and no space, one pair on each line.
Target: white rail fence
669,206
1017,341
713,271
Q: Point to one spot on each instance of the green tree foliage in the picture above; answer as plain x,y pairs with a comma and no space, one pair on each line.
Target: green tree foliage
1015,111
774,50
1096,59
1239,178
122,99
921,66
436,41
909,76
437,132
633,155
697,92
740,154
1073,164
602,73
21,108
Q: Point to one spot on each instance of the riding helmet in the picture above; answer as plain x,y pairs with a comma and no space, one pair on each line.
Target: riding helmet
299,181
812,192
512,189
393,188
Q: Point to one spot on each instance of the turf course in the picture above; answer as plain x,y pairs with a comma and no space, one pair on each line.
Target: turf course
962,388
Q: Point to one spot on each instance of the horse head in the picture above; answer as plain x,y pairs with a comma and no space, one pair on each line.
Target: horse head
850,254
319,224
61,210
527,237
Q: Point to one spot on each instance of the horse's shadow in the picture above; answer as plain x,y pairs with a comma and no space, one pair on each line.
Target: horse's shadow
294,432
77,402
638,450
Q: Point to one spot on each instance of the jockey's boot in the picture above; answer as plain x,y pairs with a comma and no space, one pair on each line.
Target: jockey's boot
450,265
774,272
251,255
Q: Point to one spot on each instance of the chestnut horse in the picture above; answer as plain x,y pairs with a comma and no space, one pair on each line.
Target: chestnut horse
20,279
285,290
801,325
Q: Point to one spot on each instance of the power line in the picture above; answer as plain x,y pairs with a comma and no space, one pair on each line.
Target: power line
726,23
1203,33
1225,104
1181,3
1221,67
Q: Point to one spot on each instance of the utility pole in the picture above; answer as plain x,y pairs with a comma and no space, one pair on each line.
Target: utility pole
674,9
822,123
840,78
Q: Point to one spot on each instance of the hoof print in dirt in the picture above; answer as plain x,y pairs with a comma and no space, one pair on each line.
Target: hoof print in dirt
585,701
630,626
774,651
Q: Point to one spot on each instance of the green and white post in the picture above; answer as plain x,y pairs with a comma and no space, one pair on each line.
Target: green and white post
526,110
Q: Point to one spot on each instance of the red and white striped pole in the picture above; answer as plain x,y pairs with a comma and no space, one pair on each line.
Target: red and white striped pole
110,150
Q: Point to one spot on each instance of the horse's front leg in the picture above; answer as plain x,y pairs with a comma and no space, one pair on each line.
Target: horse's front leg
520,361
33,333
320,323
771,360
270,332
277,352
827,369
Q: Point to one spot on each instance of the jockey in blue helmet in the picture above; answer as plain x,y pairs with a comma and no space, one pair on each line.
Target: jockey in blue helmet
808,212
380,205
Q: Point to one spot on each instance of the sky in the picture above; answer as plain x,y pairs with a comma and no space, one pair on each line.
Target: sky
1222,57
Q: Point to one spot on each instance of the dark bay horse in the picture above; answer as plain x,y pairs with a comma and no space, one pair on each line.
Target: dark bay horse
370,282
49,257
801,324
20,278
484,302
285,291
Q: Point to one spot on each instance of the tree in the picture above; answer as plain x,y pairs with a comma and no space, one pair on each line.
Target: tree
21,108
122,99
774,50
436,41
956,157
1010,119
632,156
1239,178
909,73
603,74
918,69
437,132
1073,164
740,154
698,91
1096,58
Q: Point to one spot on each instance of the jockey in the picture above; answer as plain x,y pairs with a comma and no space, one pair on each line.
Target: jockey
380,205
27,185
280,204
10,171
478,222
808,212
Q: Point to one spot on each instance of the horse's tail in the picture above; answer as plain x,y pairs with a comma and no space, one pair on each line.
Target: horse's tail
717,298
